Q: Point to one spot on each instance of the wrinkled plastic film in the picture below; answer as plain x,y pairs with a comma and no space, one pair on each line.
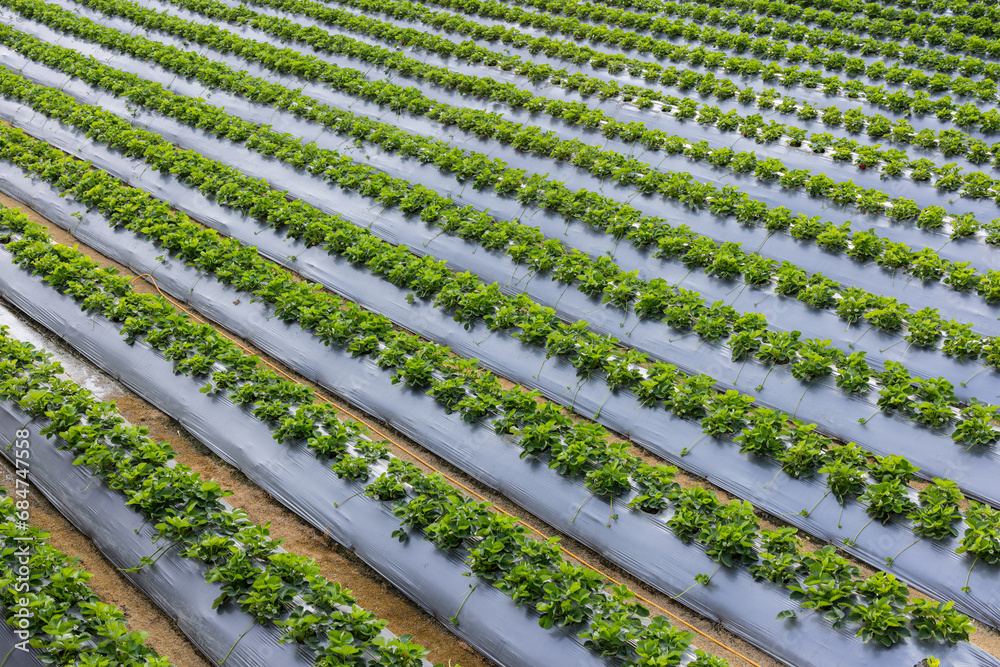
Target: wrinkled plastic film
433,578
15,656
772,194
835,265
638,542
932,567
823,403
176,585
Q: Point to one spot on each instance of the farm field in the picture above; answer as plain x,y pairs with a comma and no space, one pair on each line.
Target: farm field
412,333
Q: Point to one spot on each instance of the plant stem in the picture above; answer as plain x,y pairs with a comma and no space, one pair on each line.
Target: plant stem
336,505
579,386
672,340
969,575
768,486
868,418
810,510
687,450
745,285
770,233
597,415
893,345
158,553
840,516
761,385
974,375
855,540
561,295
581,507
698,582
4,662
851,345
685,590
745,358
238,640
801,397
454,619
889,561
539,372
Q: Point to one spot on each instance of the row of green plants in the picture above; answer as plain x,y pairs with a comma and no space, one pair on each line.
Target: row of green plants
863,246
872,18
890,8
621,168
652,19
949,141
45,598
682,309
562,594
542,429
718,39
187,512
891,162
290,410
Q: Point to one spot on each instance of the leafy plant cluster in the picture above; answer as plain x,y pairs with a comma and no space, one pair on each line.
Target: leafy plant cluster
949,141
863,246
534,573
64,620
491,126
271,585
717,40
977,184
581,450
873,18
654,21
607,481
542,429
680,308
444,516
825,583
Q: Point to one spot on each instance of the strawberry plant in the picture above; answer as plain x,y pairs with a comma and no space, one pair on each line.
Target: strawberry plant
938,511
937,621
887,499
975,426
541,431
880,622
763,434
